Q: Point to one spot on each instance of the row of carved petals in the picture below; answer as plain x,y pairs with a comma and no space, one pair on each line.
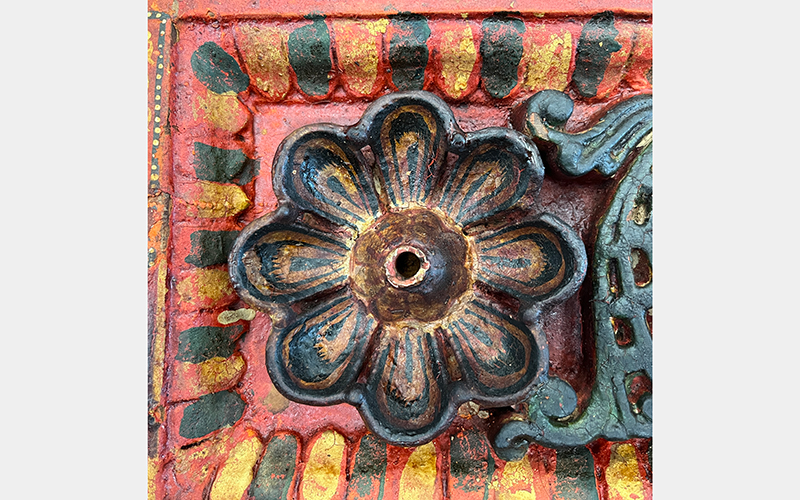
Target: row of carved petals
330,465
503,56
214,174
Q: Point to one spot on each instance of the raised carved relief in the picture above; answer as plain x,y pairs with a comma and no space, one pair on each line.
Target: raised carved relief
400,254
412,282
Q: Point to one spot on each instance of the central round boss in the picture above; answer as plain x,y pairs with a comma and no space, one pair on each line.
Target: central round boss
410,266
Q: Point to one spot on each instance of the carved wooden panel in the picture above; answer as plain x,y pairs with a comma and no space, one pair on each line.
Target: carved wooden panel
341,192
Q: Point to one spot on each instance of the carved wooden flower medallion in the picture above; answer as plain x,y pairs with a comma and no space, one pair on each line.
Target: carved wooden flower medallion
405,270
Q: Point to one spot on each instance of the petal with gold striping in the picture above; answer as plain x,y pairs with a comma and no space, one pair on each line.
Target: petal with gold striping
317,169
498,355
319,355
534,261
276,262
408,137
499,168
406,395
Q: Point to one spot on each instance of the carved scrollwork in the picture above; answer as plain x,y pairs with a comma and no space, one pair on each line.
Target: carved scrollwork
620,404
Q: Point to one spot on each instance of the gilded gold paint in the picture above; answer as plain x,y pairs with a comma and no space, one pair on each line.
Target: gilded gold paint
160,332
187,460
376,27
218,200
157,237
228,317
357,49
458,60
324,467
547,66
418,480
152,470
622,474
237,472
515,482
266,55
205,284
150,49
223,110
216,373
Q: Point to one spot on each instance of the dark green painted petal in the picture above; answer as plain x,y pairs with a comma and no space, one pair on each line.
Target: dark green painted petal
280,263
575,478
202,343
406,392
318,170
210,413
501,52
276,470
310,57
595,46
408,139
529,261
223,165
218,70
319,356
210,248
471,465
494,175
497,354
408,51
368,477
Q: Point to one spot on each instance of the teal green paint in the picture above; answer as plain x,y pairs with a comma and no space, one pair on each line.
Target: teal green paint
210,413
370,466
501,52
310,57
218,70
408,51
223,165
202,343
471,464
210,248
275,473
575,474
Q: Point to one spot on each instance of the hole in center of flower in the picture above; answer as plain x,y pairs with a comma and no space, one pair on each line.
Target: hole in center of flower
406,266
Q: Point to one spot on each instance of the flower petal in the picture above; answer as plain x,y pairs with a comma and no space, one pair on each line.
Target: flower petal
317,169
278,262
498,355
535,260
497,170
408,137
320,354
406,392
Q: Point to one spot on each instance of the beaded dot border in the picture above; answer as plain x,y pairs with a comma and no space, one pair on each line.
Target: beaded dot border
155,168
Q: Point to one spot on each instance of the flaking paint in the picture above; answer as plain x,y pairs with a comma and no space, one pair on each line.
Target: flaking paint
622,474
237,472
418,480
266,55
323,477
358,50
458,57
217,200
546,57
